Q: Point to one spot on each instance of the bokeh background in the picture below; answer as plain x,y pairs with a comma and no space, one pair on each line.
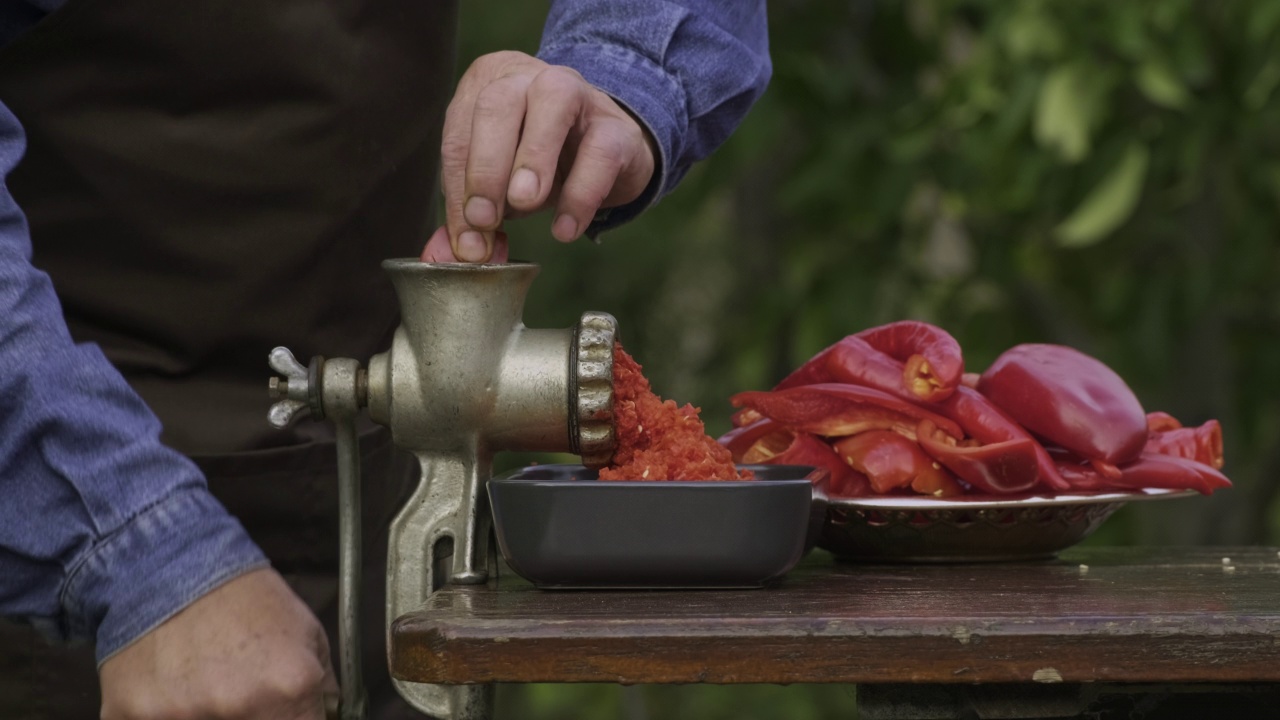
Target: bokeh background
1094,173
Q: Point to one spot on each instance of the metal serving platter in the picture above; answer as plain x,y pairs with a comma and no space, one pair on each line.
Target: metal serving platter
969,529
558,526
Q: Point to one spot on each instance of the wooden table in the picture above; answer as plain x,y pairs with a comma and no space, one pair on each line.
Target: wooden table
1177,618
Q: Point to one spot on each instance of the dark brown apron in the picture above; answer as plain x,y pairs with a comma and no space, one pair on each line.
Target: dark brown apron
206,180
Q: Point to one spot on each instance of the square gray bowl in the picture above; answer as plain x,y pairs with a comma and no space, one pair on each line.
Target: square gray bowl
558,526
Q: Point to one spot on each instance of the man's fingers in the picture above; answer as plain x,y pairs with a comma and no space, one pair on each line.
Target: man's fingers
455,146
600,157
495,132
556,99
438,249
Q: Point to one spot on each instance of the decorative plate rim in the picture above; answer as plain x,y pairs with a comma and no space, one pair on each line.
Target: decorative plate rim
986,501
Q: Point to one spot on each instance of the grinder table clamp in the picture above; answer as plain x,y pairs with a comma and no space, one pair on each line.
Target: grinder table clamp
463,379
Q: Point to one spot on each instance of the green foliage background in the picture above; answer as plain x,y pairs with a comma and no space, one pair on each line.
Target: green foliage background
1093,173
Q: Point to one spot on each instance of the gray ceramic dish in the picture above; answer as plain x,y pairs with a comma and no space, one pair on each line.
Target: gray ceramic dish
560,527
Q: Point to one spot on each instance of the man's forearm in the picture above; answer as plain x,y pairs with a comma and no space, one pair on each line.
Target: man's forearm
104,532
688,69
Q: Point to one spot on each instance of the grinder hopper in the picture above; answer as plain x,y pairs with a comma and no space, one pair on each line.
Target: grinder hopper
463,379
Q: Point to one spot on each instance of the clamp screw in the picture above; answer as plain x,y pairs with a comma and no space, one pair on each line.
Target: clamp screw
292,393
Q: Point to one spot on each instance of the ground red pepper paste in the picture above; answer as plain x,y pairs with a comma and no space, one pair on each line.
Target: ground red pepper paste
656,440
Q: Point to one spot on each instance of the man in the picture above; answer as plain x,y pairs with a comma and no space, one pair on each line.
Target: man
204,180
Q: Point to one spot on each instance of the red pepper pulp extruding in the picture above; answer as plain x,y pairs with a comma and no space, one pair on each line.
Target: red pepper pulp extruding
658,440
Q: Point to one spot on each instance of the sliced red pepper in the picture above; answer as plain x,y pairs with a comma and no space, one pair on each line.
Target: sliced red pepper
744,417
812,372
1202,444
767,442
810,450
970,380
891,461
940,484
1079,474
989,425
1167,471
1069,399
740,439
838,409
1150,470
1159,421
933,362
1105,469
1004,467
853,360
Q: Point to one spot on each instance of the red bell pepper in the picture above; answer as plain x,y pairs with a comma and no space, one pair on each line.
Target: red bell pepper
1003,467
1158,421
851,360
1202,444
809,450
741,439
1079,474
768,442
1069,399
1150,470
1166,471
891,461
837,409
989,425
933,362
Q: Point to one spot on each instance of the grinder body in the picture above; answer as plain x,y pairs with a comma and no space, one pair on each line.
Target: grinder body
463,379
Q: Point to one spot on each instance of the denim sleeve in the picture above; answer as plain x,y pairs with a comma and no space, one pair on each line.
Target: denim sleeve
689,70
104,532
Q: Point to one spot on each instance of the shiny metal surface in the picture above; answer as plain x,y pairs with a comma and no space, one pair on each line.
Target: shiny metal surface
292,392
591,387
340,395
931,530
463,379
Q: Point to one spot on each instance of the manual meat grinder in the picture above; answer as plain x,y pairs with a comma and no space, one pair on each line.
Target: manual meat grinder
463,379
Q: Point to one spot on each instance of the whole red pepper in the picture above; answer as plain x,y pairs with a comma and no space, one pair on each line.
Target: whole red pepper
1003,467
837,409
988,424
1069,399
891,461
933,362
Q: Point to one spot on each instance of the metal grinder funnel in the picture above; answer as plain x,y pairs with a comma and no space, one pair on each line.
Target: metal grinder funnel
463,379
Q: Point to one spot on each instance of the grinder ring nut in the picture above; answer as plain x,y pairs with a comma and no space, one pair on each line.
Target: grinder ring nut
591,388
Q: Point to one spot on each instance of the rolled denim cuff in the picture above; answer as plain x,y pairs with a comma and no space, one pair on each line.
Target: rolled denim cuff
651,95
149,569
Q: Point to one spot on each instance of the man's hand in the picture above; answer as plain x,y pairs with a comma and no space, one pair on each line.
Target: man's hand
521,136
250,649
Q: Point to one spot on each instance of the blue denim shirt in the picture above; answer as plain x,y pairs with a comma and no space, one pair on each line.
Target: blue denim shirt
104,532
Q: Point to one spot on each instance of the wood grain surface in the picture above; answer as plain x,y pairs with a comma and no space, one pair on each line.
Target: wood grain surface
1133,615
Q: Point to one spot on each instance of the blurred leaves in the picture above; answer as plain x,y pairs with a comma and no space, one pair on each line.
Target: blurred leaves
1108,204
1070,105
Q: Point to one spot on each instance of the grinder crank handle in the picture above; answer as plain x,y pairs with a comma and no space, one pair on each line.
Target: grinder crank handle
334,389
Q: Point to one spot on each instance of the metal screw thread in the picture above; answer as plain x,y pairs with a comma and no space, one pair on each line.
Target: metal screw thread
591,388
